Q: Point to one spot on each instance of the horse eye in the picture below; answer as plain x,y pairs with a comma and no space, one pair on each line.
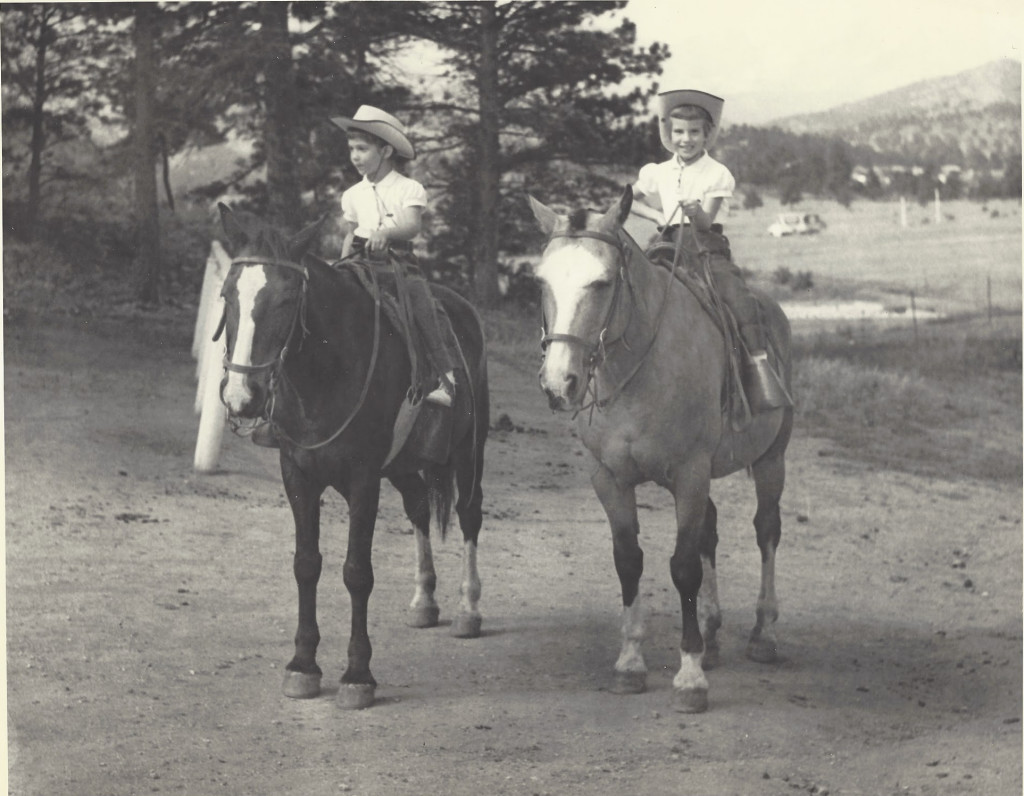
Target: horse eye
601,284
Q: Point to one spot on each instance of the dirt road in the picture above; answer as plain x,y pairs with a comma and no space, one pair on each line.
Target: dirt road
150,614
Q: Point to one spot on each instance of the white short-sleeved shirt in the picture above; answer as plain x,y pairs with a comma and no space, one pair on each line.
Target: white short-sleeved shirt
673,181
371,205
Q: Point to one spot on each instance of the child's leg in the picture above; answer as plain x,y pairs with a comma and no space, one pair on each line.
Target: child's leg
764,388
733,290
437,333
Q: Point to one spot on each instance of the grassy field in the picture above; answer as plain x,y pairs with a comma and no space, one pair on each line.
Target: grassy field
865,253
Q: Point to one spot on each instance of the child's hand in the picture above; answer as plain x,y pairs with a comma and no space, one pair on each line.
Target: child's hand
378,241
690,208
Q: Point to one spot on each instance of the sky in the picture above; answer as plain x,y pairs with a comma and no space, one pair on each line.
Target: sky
775,58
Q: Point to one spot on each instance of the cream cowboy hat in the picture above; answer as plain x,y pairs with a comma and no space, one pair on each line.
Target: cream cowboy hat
669,100
383,125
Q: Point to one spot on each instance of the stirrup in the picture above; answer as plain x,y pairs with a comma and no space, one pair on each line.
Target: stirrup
767,390
444,392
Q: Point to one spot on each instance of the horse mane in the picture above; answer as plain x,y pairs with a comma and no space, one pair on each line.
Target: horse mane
578,219
267,240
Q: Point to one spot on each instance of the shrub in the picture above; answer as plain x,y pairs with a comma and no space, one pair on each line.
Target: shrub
804,280
782,275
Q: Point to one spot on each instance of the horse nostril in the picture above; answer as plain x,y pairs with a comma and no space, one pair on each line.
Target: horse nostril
570,384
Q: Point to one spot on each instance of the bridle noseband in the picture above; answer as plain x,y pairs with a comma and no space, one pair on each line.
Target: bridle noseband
298,318
595,352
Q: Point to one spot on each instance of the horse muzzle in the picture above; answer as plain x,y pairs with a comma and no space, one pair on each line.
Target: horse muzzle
243,395
563,388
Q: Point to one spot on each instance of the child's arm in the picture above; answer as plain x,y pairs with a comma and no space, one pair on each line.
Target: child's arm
643,207
409,222
349,230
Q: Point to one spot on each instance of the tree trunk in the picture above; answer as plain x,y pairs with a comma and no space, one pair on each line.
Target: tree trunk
485,226
283,198
147,263
35,166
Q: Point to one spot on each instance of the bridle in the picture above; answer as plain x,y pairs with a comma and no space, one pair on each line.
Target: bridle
299,320
596,353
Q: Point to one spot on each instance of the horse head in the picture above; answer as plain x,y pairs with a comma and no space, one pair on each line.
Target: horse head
264,301
581,277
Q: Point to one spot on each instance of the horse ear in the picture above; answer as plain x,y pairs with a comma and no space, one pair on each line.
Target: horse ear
304,238
547,217
237,236
625,203
617,213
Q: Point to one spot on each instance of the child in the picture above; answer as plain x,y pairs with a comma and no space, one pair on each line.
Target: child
384,212
685,194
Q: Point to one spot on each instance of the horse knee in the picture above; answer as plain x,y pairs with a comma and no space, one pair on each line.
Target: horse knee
768,525
687,571
307,566
358,578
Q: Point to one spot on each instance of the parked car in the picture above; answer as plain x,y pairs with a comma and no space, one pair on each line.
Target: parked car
796,224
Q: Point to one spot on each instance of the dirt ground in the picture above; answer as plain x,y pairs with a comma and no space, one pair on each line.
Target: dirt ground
150,613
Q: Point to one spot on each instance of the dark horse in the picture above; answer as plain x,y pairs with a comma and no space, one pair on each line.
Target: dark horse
309,349
629,336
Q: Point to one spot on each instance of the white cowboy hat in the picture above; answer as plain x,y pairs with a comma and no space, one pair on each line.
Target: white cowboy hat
669,100
383,125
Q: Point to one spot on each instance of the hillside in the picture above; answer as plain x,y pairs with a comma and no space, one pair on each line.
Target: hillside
971,119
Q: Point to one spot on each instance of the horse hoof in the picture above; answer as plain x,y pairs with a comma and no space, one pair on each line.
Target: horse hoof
629,683
711,659
300,685
355,696
692,700
466,626
762,651
426,616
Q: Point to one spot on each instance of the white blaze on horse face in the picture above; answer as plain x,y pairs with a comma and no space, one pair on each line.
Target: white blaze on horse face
250,282
567,273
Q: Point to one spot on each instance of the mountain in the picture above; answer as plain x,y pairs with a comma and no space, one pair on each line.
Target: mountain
971,119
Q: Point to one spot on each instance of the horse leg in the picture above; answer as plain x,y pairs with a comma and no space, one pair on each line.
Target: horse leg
469,467
423,610
357,684
769,480
302,675
709,614
619,504
686,565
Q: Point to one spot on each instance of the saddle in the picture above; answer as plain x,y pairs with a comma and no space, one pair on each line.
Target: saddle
422,428
697,279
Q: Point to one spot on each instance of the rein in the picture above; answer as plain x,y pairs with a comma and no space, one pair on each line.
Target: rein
597,352
276,364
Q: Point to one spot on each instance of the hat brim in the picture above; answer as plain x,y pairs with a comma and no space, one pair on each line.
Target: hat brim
669,100
386,132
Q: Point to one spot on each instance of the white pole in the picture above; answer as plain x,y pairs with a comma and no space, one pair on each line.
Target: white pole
210,363
212,413
210,309
938,208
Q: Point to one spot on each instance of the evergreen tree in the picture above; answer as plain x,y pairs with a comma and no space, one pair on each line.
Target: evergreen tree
52,54
528,83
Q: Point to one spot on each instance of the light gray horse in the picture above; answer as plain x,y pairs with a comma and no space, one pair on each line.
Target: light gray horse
632,351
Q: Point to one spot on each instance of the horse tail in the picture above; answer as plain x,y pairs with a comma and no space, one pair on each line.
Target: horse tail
440,480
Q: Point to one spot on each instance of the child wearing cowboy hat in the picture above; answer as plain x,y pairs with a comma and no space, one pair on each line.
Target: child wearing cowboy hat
685,194
383,212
